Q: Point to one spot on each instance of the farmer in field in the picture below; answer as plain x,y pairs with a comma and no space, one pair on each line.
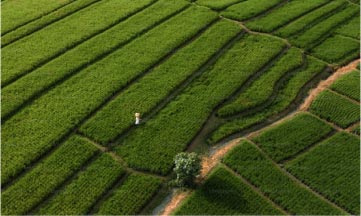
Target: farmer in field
137,118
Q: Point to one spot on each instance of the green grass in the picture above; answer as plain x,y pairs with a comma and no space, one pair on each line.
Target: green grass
162,137
250,163
131,196
310,19
17,93
38,126
351,29
26,54
337,49
50,173
81,193
45,20
284,15
292,136
356,130
249,9
312,35
336,109
285,97
333,169
17,13
349,85
223,193
217,5
262,88
116,117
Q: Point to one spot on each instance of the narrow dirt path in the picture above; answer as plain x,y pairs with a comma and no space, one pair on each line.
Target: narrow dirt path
175,201
326,83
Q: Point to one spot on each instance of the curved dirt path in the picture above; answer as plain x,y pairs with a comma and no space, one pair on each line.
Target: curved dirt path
326,83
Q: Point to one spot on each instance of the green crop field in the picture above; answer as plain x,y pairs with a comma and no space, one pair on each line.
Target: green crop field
200,73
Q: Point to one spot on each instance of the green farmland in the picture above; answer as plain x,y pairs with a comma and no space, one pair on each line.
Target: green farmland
201,73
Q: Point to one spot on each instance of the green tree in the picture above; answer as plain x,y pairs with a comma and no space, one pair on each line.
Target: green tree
187,167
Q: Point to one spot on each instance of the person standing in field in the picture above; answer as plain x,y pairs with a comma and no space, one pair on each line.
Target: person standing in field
137,118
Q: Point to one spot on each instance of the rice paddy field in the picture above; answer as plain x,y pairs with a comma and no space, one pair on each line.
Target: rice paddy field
201,74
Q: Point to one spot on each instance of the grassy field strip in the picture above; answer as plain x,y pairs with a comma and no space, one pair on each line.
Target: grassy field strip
47,44
292,136
311,37
44,21
27,192
285,14
251,163
116,117
344,96
131,196
250,8
337,49
224,193
311,19
180,122
261,89
350,29
77,197
15,14
287,99
218,5
336,156
336,109
16,95
39,126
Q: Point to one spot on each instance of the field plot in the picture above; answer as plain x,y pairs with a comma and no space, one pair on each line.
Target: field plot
201,73
224,193
336,156
336,108
254,166
291,136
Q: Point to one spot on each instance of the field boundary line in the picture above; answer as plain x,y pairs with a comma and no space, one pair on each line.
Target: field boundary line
265,13
343,96
178,89
74,45
47,23
63,184
308,148
256,189
296,180
95,60
38,17
352,127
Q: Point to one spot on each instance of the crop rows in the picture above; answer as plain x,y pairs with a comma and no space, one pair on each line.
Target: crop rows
351,29
44,45
131,196
349,85
224,193
336,109
337,49
249,162
333,168
18,93
37,127
291,136
286,96
284,15
312,35
310,19
79,195
217,5
18,13
41,181
117,116
249,9
180,120
262,88
44,21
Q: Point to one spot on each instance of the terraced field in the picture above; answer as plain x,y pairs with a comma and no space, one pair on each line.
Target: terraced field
201,73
